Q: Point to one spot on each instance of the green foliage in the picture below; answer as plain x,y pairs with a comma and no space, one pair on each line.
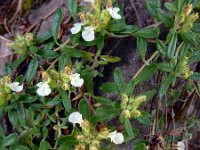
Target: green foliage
59,79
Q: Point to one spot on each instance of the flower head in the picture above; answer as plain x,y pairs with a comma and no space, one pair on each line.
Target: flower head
43,89
75,117
76,80
114,12
76,28
116,137
15,87
180,145
89,1
88,33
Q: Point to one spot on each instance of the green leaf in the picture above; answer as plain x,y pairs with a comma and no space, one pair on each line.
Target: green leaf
56,24
103,100
151,8
110,59
72,7
162,48
166,83
119,80
21,115
75,53
88,76
145,119
149,94
66,101
170,6
17,62
68,140
106,113
195,76
147,33
129,128
47,51
9,140
130,87
108,87
13,118
142,47
146,73
140,146
164,18
84,109
165,67
196,27
100,43
172,46
32,69
64,60
45,36
44,145
187,37
26,98
194,57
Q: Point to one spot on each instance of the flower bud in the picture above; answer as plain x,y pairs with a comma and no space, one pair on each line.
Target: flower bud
80,138
109,4
188,9
45,76
135,113
86,127
124,101
80,147
103,134
95,144
126,113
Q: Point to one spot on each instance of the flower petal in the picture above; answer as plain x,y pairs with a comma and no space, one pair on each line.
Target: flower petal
75,80
116,137
88,34
16,87
89,1
114,12
43,89
76,28
75,117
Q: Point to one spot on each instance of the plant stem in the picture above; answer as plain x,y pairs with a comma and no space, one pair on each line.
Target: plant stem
62,45
144,65
115,35
53,63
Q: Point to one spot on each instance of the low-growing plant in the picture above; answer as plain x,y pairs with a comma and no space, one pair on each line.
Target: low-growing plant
47,95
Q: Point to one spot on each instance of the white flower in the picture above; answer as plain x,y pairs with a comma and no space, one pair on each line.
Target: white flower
180,146
88,33
116,137
89,1
16,87
76,28
43,89
75,117
114,12
76,80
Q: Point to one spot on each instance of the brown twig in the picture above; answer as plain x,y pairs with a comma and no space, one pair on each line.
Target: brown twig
19,6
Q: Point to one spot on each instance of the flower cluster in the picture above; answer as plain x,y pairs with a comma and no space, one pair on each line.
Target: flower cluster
22,43
89,138
185,20
58,80
6,86
184,69
95,21
130,106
